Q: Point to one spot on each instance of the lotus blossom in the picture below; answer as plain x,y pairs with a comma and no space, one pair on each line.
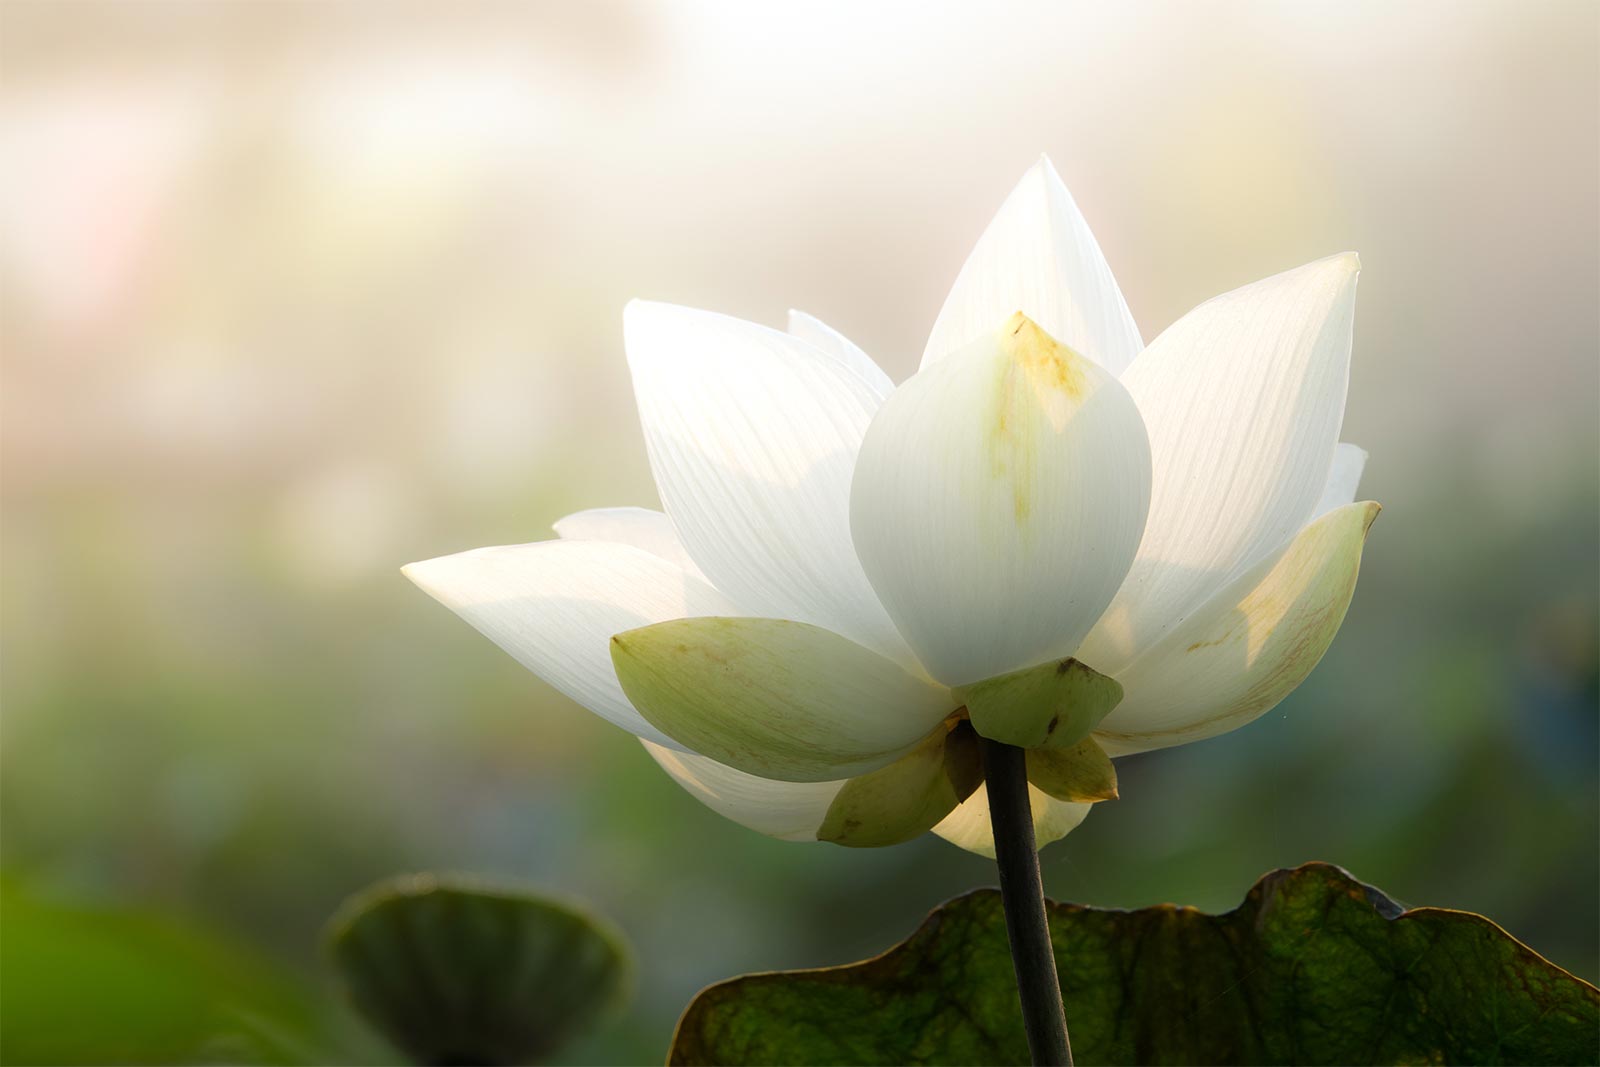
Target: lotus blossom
1051,535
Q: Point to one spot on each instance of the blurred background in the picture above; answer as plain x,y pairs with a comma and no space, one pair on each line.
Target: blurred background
294,293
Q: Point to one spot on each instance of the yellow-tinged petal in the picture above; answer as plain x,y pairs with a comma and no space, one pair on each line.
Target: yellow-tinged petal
1054,704
968,826
1082,774
775,698
1248,647
998,500
910,796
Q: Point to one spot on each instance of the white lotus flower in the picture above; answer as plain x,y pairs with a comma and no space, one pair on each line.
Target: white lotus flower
1051,534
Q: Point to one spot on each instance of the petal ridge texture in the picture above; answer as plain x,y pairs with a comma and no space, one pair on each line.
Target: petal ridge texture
1243,398
553,605
752,436
643,528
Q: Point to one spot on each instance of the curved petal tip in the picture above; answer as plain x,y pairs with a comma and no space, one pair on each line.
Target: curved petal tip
1373,508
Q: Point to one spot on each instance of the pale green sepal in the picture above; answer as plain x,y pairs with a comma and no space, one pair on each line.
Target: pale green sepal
1055,704
1082,774
910,796
774,698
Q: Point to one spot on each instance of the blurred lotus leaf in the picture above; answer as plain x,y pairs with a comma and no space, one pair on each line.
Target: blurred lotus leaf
452,971
100,985
1313,968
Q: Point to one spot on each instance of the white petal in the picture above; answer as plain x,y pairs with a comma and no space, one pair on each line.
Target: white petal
555,605
998,501
777,698
1248,647
789,810
1242,398
640,527
814,331
968,826
1038,257
752,437
1343,478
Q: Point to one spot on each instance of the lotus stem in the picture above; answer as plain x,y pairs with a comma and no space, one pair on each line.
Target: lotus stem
1022,897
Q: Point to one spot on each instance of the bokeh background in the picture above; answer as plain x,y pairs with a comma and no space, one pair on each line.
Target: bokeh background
294,293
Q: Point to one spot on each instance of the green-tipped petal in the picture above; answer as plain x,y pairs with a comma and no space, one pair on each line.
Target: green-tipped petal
775,698
1247,648
1054,704
1082,774
910,796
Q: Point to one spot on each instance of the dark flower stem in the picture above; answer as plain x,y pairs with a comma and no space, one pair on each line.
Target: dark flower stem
1022,895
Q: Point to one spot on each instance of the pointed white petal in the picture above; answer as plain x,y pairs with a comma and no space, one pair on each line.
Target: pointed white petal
1038,257
776,698
789,810
1343,479
998,501
968,826
752,436
642,528
1248,647
554,606
814,331
1242,398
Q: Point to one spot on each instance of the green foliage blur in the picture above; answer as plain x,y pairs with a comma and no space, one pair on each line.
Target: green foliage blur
295,294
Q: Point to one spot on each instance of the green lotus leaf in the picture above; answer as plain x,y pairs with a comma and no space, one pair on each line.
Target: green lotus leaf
1313,968
454,972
